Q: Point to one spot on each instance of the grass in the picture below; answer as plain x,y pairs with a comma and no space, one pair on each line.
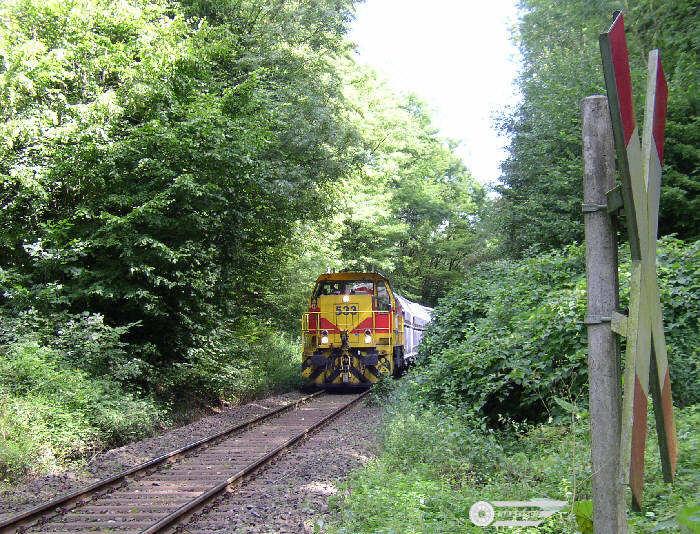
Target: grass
236,368
435,465
52,416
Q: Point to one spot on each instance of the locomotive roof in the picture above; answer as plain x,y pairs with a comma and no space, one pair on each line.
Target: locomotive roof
351,275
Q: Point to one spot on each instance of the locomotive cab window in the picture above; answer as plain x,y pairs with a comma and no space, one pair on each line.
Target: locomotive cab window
361,287
344,287
383,300
327,288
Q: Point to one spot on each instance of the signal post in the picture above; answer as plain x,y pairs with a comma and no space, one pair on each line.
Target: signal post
619,419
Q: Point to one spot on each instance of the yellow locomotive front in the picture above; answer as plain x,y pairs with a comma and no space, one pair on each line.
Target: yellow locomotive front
353,331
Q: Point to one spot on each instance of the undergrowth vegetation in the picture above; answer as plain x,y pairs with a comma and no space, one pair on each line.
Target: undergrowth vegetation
237,364
496,409
69,386
510,339
52,414
437,462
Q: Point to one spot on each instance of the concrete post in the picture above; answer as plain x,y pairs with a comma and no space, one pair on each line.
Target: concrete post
609,514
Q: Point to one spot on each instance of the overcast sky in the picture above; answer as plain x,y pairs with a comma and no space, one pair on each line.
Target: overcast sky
456,55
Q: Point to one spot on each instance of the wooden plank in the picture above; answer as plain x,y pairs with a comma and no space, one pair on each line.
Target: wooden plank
630,371
618,324
618,83
653,147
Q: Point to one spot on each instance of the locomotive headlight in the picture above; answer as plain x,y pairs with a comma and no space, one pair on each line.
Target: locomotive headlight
346,298
368,336
324,337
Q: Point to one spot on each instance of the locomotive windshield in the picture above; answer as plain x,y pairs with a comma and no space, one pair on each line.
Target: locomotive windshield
383,301
344,287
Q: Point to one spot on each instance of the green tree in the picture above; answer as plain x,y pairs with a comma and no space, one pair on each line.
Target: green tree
541,180
412,208
155,155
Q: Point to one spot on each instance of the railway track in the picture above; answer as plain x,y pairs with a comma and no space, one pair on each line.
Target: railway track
163,493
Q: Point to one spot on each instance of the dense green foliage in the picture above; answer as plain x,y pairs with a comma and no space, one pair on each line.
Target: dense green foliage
510,340
173,177
174,166
495,409
411,211
155,159
541,189
175,174
50,414
436,463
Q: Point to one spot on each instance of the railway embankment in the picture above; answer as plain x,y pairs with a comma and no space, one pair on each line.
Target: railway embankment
269,466
55,415
33,491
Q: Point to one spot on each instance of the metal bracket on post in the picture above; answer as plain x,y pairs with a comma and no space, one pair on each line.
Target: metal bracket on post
618,322
596,319
590,207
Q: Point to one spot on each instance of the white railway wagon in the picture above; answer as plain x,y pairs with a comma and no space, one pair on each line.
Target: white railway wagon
415,319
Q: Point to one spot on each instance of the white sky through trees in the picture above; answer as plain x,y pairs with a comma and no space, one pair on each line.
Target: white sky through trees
456,55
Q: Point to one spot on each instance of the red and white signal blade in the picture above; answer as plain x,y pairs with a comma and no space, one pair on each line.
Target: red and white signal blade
618,81
653,151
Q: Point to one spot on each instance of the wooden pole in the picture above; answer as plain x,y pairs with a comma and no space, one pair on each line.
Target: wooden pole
609,514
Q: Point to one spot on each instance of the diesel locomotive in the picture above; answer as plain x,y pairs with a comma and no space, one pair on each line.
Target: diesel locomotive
358,329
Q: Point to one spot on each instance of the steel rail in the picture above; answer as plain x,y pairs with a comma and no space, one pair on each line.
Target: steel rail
191,507
70,500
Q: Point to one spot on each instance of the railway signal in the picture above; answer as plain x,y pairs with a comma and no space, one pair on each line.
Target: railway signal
646,362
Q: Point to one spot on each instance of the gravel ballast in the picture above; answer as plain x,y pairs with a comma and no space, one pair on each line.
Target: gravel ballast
291,494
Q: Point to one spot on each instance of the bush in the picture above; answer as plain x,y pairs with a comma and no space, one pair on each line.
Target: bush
64,380
81,340
436,463
239,362
511,339
51,415
679,274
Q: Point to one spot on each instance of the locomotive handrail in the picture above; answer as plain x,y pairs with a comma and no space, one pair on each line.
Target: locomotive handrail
385,312
354,311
